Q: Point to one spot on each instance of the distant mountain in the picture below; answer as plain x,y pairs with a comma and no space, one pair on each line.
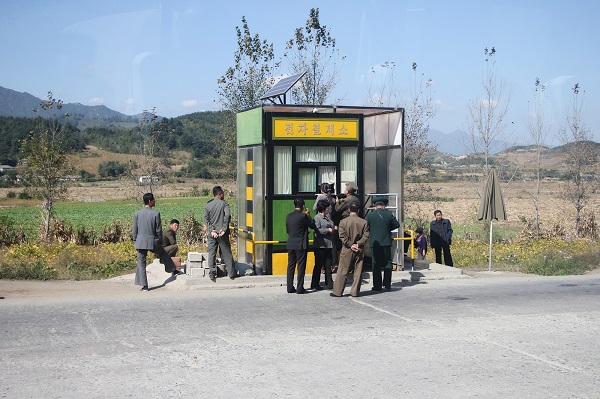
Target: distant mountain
453,142
17,104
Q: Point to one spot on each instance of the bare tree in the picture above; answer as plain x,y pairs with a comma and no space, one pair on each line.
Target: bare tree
419,110
538,131
487,123
382,89
312,49
581,157
46,165
152,139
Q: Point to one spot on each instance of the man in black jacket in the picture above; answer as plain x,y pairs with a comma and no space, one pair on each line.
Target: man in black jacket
440,231
296,225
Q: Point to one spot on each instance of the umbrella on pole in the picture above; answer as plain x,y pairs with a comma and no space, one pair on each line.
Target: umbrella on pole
492,204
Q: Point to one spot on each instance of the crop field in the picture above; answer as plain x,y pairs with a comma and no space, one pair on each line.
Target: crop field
98,215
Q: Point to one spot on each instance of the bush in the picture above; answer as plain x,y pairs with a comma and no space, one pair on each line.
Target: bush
67,261
10,235
191,230
11,194
24,195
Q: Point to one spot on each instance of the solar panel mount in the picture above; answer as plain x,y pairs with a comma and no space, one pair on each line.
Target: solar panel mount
281,88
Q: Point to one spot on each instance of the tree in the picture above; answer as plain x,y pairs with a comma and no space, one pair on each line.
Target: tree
151,138
382,89
242,86
538,131
419,110
46,162
251,76
312,50
582,157
487,123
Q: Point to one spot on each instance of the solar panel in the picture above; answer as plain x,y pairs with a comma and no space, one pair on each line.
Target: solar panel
282,86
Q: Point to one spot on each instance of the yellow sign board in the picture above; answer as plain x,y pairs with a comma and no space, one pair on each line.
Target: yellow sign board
315,129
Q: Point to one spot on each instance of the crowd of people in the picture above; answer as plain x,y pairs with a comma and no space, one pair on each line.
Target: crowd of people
340,236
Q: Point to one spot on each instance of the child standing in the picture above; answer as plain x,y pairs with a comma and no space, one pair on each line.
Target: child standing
421,242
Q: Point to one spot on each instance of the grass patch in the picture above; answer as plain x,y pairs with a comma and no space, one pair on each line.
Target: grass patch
68,261
100,215
544,256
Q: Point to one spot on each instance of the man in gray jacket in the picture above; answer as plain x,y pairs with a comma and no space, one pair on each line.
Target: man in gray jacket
216,220
147,233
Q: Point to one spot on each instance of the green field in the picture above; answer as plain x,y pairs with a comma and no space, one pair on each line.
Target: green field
103,214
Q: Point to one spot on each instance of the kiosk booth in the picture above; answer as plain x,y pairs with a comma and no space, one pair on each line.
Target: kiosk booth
287,151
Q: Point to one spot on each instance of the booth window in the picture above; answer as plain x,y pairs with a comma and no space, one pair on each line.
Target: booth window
315,154
283,170
307,180
326,175
348,164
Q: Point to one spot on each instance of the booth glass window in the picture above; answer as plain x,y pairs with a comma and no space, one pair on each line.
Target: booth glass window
315,154
326,174
348,164
283,170
307,180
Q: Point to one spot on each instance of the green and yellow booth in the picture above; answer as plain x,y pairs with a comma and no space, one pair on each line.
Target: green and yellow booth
287,151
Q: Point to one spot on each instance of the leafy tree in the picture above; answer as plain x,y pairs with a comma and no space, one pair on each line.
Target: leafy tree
250,77
111,169
582,157
241,87
46,163
312,50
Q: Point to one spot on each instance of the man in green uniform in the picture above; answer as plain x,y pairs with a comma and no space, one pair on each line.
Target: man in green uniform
381,223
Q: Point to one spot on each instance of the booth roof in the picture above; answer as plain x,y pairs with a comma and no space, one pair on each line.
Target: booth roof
329,109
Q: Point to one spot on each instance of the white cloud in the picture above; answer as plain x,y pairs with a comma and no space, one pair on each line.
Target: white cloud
96,101
189,103
129,101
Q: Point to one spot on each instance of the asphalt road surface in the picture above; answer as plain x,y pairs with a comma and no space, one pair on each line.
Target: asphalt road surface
510,337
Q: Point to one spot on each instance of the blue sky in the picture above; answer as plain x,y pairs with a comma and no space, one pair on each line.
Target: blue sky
132,55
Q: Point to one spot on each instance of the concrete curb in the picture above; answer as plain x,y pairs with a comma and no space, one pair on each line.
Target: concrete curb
157,277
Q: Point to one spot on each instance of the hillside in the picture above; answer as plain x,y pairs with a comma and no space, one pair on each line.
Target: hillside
25,105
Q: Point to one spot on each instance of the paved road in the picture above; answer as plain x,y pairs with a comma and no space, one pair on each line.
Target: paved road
513,337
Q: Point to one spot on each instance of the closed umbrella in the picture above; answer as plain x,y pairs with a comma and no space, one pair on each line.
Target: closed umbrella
492,204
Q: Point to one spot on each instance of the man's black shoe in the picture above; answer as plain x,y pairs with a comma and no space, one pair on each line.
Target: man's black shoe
318,288
302,291
177,272
144,289
333,295
213,277
376,289
292,291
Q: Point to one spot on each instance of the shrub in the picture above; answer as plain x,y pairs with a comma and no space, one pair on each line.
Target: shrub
11,194
10,235
24,195
67,261
191,230
115,232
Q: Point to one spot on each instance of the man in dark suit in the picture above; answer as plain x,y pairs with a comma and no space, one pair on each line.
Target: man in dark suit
354,234
147,230
296,225
381,224
440,234
216,220
169,238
